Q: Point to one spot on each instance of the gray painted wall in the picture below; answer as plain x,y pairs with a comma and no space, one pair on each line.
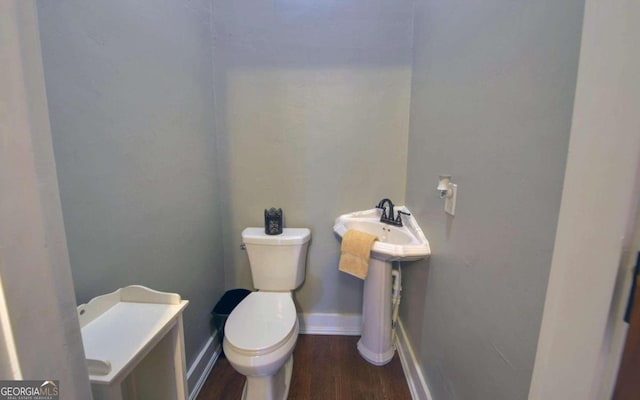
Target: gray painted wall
312,105
129,86
492,96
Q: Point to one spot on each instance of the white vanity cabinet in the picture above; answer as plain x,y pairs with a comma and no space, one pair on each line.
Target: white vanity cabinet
134,344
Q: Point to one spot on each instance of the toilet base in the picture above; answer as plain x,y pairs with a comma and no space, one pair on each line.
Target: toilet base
275,387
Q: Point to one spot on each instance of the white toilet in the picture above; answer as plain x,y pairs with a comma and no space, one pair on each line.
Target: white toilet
261,332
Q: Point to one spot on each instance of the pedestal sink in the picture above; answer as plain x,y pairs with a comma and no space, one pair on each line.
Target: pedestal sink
405,243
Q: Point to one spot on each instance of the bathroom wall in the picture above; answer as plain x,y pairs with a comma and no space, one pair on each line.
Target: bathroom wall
492,97
312,105
129,87
39,331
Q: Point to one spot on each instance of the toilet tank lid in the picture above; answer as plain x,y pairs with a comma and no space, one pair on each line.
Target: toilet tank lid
288,236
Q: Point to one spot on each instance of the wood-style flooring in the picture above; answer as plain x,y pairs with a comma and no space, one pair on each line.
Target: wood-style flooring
324,368
628,384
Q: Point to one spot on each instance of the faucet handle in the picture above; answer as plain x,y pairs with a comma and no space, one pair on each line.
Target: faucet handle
399,217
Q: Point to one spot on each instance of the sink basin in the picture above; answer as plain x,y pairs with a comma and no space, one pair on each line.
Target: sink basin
395,243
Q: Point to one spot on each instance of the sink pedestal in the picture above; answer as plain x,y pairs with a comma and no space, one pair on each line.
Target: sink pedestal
375,345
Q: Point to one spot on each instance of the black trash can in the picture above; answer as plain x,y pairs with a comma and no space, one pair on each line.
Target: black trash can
229,300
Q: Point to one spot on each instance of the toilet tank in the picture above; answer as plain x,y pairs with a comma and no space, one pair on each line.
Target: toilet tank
277,261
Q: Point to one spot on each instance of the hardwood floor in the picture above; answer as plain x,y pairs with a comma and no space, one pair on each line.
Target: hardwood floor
628,384
324,368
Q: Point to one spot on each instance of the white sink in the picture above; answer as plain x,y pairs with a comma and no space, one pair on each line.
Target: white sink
395,243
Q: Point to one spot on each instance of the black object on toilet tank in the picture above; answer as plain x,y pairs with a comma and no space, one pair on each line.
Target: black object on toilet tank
273,221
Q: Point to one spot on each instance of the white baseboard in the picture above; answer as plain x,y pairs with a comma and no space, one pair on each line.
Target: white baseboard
330,324
201,366
412,369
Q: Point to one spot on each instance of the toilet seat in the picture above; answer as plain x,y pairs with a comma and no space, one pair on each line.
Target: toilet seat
261,323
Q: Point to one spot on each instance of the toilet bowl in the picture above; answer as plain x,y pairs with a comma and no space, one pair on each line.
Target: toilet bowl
261,332
260,336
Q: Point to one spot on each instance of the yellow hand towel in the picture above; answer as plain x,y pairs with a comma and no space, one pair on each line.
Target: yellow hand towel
355,250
